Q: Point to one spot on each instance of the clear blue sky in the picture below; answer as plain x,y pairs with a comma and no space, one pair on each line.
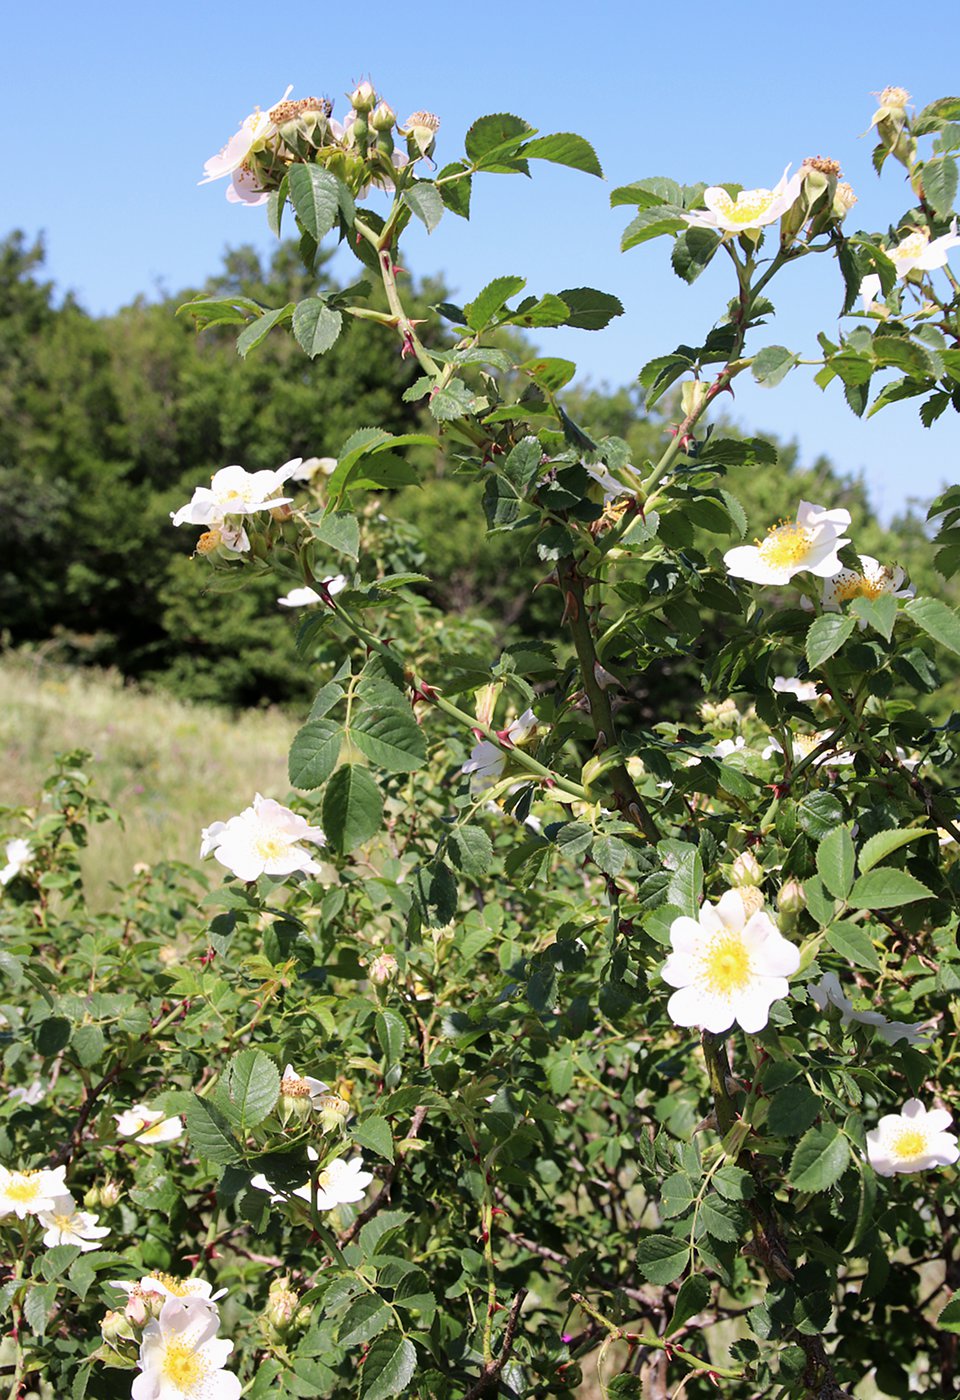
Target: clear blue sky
116,106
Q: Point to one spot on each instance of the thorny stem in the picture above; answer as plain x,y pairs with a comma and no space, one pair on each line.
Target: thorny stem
490,1374
619,1334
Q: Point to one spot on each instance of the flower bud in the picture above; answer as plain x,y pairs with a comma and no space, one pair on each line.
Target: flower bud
383,968
282,1312
116,1327
110,1193
791,899
746,871
724,714
91,1198
383,117
334,1112
363,98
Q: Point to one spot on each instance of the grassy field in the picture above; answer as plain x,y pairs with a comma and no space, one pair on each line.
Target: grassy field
170,768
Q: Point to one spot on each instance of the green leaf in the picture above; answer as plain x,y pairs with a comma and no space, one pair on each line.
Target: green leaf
835,861
826,636
677,1195
340,530
792,1109
364,1319
589,309
940,184
316,196
377,1234
388,1368
877,848
390,738
773,363
471,849
879,613
693,1296
949,1319
498,132
854,943
392,1033
435,890
257,331
733,1183
352,807
819,1159
316,326
692,251
564,148
722,1220
374,1132
661,1258
425,201
314,753
818,813
648,193
651,223
249,1089
210,1133
887,889
937,620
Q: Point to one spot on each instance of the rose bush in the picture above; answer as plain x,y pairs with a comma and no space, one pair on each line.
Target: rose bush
617,1054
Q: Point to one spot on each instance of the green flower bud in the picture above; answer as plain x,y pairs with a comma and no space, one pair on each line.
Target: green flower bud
110,1193
116,1327
746,871
363,98
281,1315
383,117
334,1112
791,899
91,1198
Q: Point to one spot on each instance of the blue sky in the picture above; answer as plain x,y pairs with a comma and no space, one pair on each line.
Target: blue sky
119,105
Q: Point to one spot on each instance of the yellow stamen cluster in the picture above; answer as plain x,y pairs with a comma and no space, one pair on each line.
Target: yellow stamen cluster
845,197
863,586
293,1087
209,541
749,206
270,847
182,1366
909,1144
425,119
177,1286
726,967
785,545
894,97
24,1186
290,111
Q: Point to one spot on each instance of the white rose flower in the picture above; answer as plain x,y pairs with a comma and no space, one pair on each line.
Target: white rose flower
828,992
803,690
751,209
30,1192
918,252
19,854
243,189
145,1124
803,744
254,131
913,1140
809,544
303,597
872,580
235,491
181,1357
727,967
30,1095
315,466
64,1224
168,1286
263,840
487,761
340,1183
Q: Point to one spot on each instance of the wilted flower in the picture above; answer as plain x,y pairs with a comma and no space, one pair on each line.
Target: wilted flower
19,854
263,840
751,209
727,967
421,128
64,1224
303,597
299,1093
181,1357
254,131
30,1192
334,1112
913,1140
828,992
147,1125
809,544
487,761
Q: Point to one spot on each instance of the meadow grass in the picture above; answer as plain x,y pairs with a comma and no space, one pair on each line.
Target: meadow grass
169,767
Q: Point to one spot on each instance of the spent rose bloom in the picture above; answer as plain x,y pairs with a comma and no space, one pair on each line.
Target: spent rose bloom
870,581
302,1086
30,1192
808,544
19,854
254,130
181,1357
487,761
751,209
913,1140
263,840
727,967
65,1224
235,491
145,1124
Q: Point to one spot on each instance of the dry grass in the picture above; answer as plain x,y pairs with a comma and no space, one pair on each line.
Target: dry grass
169,767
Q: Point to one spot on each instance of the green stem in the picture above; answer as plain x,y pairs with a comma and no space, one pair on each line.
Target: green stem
696,1363
715,1055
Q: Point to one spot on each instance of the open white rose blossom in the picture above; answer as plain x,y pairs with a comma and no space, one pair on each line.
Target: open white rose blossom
263,840
808,544
750,209
65,1224
727,967
340,1183
303,597
254,130
145,1124
828,992
235,491
181,1356
918,252
19,854
30,1192
913,1140
872,580
486,761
